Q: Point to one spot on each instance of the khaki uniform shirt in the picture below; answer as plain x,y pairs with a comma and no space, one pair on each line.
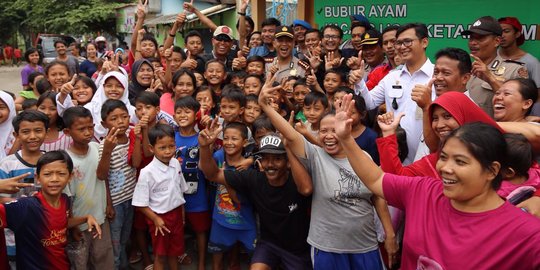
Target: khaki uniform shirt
292,69
481,92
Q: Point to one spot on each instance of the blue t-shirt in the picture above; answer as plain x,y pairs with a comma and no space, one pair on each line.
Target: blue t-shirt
367,141
87,67
187,153
226,212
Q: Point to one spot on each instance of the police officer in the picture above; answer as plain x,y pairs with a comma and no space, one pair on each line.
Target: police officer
284,64
489,70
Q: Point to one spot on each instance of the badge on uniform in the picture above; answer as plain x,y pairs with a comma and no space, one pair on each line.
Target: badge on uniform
500,71
293,72
495,64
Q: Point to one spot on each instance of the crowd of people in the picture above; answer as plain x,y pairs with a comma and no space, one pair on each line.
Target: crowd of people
290,144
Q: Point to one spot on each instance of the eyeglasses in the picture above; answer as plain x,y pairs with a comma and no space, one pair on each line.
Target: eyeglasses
406,42
331,36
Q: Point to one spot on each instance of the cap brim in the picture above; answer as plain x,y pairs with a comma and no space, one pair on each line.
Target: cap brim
278,35
271,151
370,42
476,31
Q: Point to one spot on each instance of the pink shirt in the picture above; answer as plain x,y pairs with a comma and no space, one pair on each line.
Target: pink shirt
437,236
533,181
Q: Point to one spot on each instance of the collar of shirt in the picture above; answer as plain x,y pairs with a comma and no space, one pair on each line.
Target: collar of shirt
427,68
162,167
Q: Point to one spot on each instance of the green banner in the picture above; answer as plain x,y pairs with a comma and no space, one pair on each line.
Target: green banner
445,19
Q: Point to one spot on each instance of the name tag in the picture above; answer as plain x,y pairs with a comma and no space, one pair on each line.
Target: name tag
396,91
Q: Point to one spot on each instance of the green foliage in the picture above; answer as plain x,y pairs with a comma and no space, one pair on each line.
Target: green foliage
62,16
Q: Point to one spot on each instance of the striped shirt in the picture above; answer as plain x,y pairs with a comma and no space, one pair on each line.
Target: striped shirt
122,179
61,143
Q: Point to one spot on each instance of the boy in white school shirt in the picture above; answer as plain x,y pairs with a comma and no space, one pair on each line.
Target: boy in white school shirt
159,194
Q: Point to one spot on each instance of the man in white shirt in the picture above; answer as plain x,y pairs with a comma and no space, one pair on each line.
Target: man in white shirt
395,89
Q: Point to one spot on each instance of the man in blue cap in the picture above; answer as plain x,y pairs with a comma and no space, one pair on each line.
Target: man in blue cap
300,27
356,20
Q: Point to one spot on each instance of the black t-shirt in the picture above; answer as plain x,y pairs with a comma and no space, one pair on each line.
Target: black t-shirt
283,212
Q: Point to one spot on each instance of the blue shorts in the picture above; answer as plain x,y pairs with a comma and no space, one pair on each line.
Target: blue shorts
222,238
275,256
323,260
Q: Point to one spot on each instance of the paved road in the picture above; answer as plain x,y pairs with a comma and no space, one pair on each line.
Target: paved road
10,79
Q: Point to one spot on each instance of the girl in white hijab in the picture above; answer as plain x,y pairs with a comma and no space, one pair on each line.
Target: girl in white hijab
114,85
7,113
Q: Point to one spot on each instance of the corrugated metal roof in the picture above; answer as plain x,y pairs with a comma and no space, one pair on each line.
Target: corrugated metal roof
168,19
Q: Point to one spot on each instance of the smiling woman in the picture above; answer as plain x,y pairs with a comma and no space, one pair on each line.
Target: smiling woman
514,99
459,217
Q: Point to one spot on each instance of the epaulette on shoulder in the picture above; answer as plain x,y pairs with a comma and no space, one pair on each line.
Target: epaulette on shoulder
303,64
514,62
268,60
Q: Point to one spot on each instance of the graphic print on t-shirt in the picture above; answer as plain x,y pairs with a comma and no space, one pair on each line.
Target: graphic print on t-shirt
349,188
116,181
227,207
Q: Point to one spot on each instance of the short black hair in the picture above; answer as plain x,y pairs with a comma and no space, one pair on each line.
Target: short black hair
29,103
314,96
187,102
214,61
519,154
527,89
179,50
59,41
262,122
463,57
160,131
150,37
333,27
390,28
32,77
43,85
314,30
255,58
258,77
30,116
301,81
233,93
111,105
238,126
71,115
270,21
360,24
192,33
238,74
52,156
419,28
148,98
252,98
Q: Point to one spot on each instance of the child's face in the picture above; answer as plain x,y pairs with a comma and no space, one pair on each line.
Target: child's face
252,111
113,88
205,99
331,82
48,108
314,112
230,110
164,149
53,178
148,49
252,86
4,112
255,68
82,93
338,97
118,118
145,75
31,135
175,61
184,87
238,82
233,142
214,74
185,117
82,130
200,79
194,45
299,94
57,76
149,110
289,88
356,117
259,134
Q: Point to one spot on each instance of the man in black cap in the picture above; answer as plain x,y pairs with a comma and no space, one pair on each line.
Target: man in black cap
489,70
282,207
285,64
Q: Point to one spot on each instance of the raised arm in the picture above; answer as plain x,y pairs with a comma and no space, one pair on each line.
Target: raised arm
242,31
368,172
207,164
421,94
529,130
295,139
205,20
300,175
178,23
142,9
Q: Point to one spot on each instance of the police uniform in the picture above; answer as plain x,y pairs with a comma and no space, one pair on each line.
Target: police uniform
482,93
293,68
